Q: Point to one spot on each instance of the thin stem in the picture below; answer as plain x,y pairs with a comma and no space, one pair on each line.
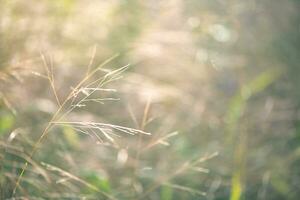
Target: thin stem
50,123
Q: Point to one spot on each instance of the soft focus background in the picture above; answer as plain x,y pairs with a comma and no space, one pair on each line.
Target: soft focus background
204,76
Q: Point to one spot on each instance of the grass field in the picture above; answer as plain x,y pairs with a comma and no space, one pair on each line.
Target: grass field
147,100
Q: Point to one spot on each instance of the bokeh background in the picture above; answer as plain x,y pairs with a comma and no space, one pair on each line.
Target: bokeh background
205,76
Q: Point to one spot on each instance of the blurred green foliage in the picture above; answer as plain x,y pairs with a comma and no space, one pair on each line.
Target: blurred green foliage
224,74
